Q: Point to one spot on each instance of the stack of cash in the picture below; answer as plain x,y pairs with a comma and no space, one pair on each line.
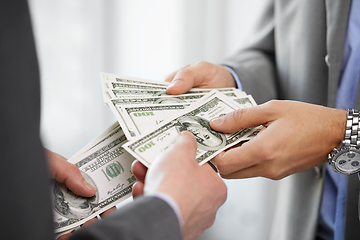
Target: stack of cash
105,165
148,120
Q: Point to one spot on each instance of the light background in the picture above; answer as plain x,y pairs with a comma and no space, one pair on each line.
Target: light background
78,39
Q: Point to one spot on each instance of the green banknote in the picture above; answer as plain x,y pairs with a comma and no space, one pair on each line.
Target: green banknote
196,120
106,166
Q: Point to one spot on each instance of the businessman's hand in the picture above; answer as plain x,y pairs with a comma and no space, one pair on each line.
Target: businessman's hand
198,191
65,172
199,75
295,137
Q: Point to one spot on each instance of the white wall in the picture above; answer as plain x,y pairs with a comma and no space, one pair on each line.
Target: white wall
78,39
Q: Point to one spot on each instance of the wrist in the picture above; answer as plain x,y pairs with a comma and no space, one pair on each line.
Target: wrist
346,158
343,115
235,77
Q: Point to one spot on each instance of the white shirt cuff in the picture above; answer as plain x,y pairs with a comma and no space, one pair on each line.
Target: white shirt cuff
236,78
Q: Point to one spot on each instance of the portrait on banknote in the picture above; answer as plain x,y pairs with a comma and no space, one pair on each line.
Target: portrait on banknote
72,206
207,138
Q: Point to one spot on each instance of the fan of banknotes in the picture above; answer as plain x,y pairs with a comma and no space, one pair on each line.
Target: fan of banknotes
148,120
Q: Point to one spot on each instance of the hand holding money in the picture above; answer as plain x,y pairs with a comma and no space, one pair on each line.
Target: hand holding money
195,119
176,173
291,141
199,75
105,165
149,120
65,172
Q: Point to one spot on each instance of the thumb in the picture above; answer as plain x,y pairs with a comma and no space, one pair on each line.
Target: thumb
182,82
65,172
240,119
185,142
184,147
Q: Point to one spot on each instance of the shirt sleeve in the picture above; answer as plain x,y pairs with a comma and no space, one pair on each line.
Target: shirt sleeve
236,78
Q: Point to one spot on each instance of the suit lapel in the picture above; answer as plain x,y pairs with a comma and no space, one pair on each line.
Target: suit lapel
337,15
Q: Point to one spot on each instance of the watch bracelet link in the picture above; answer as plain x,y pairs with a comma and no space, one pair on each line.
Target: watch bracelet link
352,132
346,158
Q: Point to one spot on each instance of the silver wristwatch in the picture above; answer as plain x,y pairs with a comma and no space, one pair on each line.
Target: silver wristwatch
346,159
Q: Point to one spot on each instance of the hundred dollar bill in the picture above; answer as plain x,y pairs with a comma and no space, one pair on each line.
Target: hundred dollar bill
119,85
107,77
122,86
59,234
147,117
138,93
109,132
245,102
158,99
107,94
106,166
116,86
129,130
240,93
196,120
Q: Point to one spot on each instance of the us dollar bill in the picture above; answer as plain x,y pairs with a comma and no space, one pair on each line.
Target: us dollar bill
59,234
109,132
119,85
146,117
245,102
183,98
107,167
129,129
142,81
107,77
139,93
108,94
196,120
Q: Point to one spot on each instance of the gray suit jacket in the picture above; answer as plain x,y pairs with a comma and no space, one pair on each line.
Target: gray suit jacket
25,187
296,53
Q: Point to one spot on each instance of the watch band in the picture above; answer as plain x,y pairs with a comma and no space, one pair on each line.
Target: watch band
346,159
352,132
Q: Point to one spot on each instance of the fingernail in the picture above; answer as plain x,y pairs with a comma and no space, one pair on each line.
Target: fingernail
217,121
175,83
89,186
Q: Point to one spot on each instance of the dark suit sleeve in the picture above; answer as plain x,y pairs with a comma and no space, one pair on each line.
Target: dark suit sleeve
25,198
25,194
255,62
145,218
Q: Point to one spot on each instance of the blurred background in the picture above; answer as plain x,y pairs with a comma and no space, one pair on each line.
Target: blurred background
76,40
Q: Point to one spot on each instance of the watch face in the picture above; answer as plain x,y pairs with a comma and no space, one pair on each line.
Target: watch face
348,162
